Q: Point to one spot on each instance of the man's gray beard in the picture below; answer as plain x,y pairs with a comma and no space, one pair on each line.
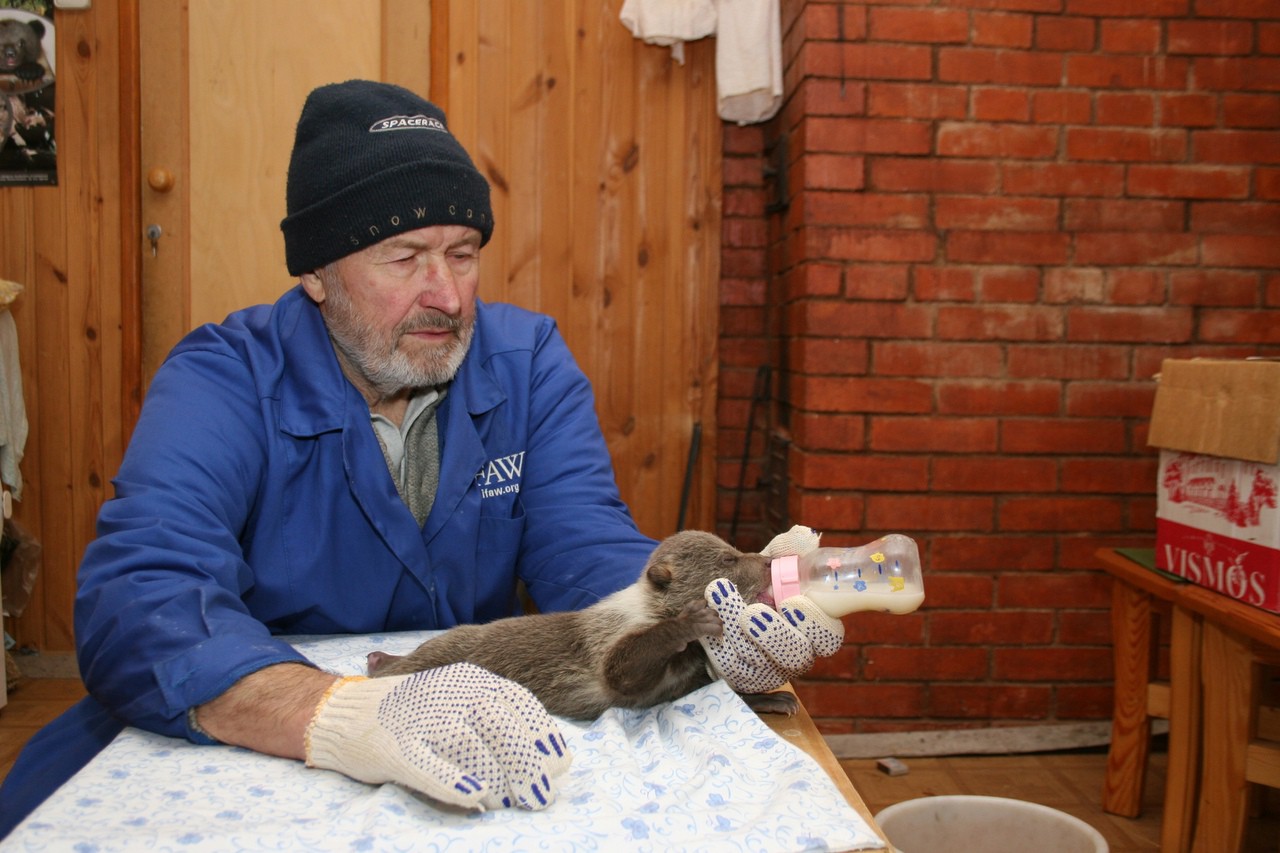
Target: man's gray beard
390,371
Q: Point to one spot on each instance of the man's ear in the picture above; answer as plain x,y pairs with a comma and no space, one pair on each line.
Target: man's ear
313,285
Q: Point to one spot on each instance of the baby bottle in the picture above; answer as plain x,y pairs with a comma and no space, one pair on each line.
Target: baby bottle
881,575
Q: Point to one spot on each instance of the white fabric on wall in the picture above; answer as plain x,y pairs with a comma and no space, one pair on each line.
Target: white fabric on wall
749,60
669,22
748,47
13,412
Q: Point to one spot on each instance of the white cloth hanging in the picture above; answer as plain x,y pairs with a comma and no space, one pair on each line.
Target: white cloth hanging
669,22
13,413
748,47
749,60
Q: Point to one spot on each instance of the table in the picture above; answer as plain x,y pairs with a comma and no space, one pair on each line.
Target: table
1217,646
801,732
700,773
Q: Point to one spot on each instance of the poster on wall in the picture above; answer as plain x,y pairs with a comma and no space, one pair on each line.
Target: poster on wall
28,154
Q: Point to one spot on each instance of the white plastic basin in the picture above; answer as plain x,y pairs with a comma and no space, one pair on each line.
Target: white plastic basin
968,824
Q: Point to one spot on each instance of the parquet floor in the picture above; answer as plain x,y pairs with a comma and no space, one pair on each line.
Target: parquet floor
1068,781
1071,782
34,702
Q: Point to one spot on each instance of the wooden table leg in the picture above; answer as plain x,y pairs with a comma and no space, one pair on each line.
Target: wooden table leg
1132,641
1229,677
1180,793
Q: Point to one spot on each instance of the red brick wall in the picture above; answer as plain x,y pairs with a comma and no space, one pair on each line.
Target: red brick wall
1002,215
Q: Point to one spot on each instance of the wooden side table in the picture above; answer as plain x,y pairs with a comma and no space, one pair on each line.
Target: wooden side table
1217,651
1238,640
1136,594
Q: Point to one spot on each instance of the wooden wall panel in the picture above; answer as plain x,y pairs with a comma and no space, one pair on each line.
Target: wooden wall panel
604,159
238,166
63,244
406,40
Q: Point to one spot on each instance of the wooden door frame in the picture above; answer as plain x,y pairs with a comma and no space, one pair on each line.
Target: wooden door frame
130,218
438,85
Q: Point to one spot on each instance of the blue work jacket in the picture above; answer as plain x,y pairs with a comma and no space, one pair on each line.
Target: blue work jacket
254,500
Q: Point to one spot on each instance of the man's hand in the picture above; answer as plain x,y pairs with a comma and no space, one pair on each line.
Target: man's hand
459,734
761,649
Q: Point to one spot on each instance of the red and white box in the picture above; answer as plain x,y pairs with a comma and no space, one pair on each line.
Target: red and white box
1217,424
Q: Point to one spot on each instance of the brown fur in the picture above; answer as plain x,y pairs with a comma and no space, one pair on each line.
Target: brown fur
634,649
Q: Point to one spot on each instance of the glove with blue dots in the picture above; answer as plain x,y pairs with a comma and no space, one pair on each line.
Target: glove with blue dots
762,649
458,734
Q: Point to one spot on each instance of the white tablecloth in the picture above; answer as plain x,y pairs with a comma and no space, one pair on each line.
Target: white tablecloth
702,773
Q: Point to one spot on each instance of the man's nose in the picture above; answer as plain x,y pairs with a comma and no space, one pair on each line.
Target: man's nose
439,287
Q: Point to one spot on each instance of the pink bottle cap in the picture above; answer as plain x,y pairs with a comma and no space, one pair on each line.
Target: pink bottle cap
786,578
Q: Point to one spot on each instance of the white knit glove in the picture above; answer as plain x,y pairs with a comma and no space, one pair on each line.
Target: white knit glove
459,734
760,651
798,540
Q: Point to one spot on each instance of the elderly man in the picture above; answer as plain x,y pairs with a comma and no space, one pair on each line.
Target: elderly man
377,451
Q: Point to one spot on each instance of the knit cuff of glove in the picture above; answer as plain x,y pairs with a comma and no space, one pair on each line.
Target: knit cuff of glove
198,734
798,540
322,743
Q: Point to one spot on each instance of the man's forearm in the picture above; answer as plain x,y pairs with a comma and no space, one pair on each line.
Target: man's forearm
267,711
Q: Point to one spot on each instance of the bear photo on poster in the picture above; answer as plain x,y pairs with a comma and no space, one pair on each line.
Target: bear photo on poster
28,152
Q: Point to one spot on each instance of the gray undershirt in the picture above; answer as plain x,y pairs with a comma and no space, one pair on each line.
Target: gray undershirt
412,451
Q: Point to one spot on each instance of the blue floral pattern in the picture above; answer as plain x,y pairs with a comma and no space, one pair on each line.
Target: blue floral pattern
702,773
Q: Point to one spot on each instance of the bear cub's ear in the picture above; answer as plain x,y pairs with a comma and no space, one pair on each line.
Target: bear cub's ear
660,574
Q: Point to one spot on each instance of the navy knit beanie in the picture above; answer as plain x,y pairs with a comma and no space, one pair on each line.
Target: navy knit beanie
371,160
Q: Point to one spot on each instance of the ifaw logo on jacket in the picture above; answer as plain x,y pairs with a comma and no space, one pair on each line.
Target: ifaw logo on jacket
500,476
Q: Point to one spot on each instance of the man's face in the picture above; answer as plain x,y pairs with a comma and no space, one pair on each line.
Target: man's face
401,312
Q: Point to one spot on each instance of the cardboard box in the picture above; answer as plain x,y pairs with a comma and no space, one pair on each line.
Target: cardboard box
1217,424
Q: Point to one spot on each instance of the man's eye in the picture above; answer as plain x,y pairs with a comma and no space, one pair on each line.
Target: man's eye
401,264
